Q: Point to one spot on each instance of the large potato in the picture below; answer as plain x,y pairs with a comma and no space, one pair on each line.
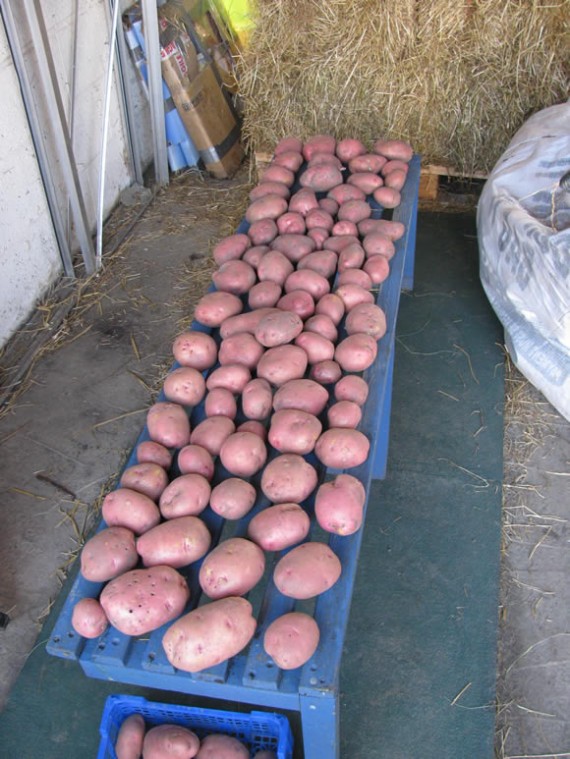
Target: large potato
323,325
232,568
294,431
230,248
355,211
303,201
365,181
256,399
317,347
214,307
232,377
367,318
366,162
264,294
332,306
209,635
220,402
378,244
319,235
150,479
288,478
356,352
352,257
88,618
339,505
261,232
307,571
168,741
195,349
394,149
294,247
352,295
274,267
320,219
387,197
392,229
345,192
109,553
143,600
324,262
175,543
276,173
130,737
304,394
342,448
291,223
348,148
168,424
211,433
308,280
195,459
291,639
279,527
278,328
243,454
268,207
377,268
187,495
185,385
291,159
234,277
355,277
219,746
253,256
241,348
395,179
269,188
246,322
149,452
344,228
321,178
300,302
232,498
128,508
318,143
281,364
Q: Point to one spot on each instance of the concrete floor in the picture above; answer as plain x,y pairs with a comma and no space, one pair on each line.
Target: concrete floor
67,430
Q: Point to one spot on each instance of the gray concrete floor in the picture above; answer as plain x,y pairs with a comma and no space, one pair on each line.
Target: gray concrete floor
65,433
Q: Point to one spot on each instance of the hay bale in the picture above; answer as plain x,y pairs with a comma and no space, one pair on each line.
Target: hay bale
455,79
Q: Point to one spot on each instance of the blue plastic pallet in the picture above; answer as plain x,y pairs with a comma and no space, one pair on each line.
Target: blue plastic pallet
251,677
257,730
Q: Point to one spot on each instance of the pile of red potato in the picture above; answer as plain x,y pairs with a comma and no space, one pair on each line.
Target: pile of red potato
289,329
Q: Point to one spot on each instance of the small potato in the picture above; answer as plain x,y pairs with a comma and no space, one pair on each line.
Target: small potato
253,256
246,322
288,478
149,452
352,295
174,543
195,349
217,746
278,328
303,394
303,201
209,635
168,741
329,205
194,459
220,402
124,507
377,268
331,305
321,324
319,235
352,257
300,302
88,618
321,178
339,505
288,143
378,244
214,307
342,448
255,427
293,247
264,294
243,454
355,277
185,385
291,639
211,433
367,318
232,568
260,232
387,197
355,211
342,228
235,277
232,377
291,223
281,364
325,372
392,229
143,600
294,431
276,173
318,218
349,148
109,553
308,280
256,399
232,498
307,571
274,267
366,162
279,527
268,207
365,181
263,189
344,414
317,347
186,495
394,149
230,248
150,479
345,192
318,143
351,388
130,738
395,180
323,262
241,348
168,424
290,159
356,352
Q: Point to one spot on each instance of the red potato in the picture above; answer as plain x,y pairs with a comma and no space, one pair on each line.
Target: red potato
351,295
279,527
339,242
276,173
392,229
88,618
354,210
209,635
318,143
246,322
317,347
185,385
395,165
109,553
356,277
395,180
331,305
342,448
267,207
319,218
351,388
366,162
323,262
288,143
321,178
232,568
293,247
124,507
344,414
377,244
233,377
299,301
303,201
235,277
339,505
266,188
130,738
253,256
281,364
194,459
351,257
387,197
294,431
211,433
365,181
394,149
168,741
149,452
291,639
232,498
325,158
349,148
220,402
307,571
195,349
256,399
356,352
214,307
264,295
150,479
303,394
241,348
168,424
291,223
321,324
342,228
231,247
288,478
345,192
261,232
278,328
310,281
243,454
319,235
174,543
329,205
217,746
290,159
367,318
274,267
143,600
377,268
255,427
187,495
326,372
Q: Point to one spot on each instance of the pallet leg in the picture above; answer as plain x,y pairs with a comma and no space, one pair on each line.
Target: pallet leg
320,723
409,262
381,457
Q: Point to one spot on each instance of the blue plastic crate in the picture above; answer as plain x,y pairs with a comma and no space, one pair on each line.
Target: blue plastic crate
257,730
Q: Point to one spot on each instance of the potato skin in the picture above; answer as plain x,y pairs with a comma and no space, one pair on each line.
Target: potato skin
278,328
109,553
293,247
233,377
168,424
232,568
344,414
274,267
332,306
186,495
256,399
291,639
318,143
356,277
394,149
326,372
269,188
128,508
195,349
377,268
220,402
351,388
349,148
342,448
322,325
168,741
356,352
321,178
323,262
367,318
294,431
352,295
268,207
243,454
279,527
129,743
307,571
303,201
264,294
387,197
339,505
230,248
174,543
260,232
300,302
241,348
232,498
149,452
317,347
303,394
195,459
366,162
211,433
219,746
282,363
365,181
288,478
88,618
150,479
185,385
214,307
209,634
235,276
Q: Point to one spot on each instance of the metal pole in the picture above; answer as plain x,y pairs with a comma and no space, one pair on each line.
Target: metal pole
150,21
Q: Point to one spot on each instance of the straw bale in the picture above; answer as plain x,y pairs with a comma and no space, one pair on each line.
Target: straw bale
455,79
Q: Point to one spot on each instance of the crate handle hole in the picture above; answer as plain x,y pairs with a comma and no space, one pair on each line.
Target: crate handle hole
56,639
101,646
151,656
71,634
115,642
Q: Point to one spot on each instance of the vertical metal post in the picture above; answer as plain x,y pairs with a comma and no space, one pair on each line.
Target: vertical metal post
150,22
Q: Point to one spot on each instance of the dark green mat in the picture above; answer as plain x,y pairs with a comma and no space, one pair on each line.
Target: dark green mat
424,615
